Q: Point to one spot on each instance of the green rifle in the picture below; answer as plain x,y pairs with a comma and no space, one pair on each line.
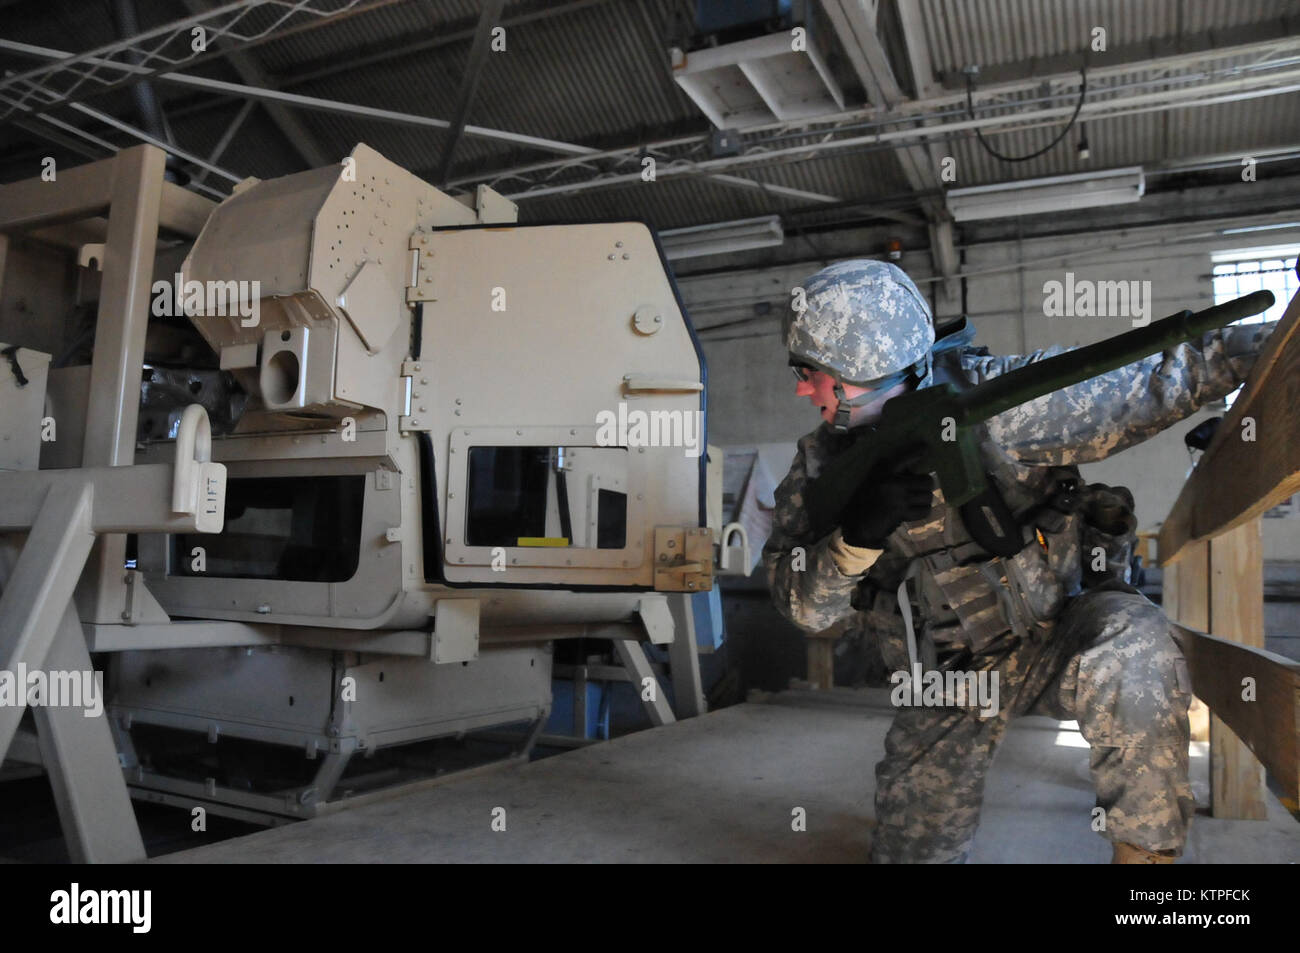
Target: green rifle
936,425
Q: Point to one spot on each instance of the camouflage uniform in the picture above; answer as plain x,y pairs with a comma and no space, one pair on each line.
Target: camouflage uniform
1065,642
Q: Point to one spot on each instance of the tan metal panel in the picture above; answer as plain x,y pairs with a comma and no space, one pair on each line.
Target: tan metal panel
535,326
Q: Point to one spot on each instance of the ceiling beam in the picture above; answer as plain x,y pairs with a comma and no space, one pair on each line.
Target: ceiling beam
449,34
301,140
1168,53
469,80
918,49
855,24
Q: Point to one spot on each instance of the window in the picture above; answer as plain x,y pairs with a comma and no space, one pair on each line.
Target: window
299,529
1241,271
547,496
1270,268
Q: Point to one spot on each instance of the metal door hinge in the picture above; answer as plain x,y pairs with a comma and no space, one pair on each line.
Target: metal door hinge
421,286
419,407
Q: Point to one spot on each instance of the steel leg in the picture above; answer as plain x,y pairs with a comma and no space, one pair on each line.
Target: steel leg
684,656
81,759
38,590
638,667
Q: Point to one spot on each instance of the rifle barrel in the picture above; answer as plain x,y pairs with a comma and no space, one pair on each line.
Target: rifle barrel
1082,363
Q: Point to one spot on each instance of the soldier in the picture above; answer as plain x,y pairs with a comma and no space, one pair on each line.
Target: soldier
1056,624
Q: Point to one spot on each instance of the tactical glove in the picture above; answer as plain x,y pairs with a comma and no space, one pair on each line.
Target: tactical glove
892,495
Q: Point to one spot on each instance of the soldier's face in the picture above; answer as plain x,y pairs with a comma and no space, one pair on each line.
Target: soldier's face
819,388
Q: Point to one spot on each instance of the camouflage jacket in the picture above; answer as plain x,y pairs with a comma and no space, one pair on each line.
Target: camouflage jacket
1082,423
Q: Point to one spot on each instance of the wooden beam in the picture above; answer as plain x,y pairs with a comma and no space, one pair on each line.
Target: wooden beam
1185,598
1270,725
1237,614
1237,479
80,192
821,663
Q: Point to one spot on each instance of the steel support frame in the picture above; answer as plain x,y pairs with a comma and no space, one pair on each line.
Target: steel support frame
39,626
39,630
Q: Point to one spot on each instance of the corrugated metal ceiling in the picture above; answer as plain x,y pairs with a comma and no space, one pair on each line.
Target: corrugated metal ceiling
596,72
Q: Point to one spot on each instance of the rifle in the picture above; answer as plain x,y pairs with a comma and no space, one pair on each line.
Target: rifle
942,421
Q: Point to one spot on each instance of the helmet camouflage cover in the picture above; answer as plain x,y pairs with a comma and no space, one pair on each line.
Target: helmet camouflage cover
861,321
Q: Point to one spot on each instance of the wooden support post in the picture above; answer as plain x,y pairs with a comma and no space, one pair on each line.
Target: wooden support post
1186,600
821,661
1236,613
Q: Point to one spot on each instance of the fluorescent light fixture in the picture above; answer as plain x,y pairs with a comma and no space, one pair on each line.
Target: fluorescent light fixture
722,237
1058,193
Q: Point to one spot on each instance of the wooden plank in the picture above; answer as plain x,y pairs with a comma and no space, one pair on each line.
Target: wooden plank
1236,613
1236,480
1270,725
1198,714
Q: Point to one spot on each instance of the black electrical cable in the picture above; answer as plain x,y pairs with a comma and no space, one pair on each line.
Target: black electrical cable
970,109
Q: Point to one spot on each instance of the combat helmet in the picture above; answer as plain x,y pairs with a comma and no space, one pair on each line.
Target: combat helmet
865,323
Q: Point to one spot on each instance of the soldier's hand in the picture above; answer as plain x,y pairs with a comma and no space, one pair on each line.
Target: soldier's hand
893,494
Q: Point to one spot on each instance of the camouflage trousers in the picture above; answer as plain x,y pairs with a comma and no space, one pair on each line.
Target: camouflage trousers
1111,664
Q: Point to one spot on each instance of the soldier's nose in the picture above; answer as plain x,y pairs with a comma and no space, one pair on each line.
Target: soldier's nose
804,389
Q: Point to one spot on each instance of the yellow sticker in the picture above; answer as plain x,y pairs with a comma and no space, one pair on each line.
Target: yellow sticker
543,541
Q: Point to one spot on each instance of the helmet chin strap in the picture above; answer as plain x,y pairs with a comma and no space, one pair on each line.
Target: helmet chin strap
845,405
916,374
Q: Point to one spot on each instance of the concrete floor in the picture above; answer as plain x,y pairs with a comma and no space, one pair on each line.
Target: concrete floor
722,788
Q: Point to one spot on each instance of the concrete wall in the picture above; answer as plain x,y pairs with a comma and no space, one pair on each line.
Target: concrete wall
751,391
